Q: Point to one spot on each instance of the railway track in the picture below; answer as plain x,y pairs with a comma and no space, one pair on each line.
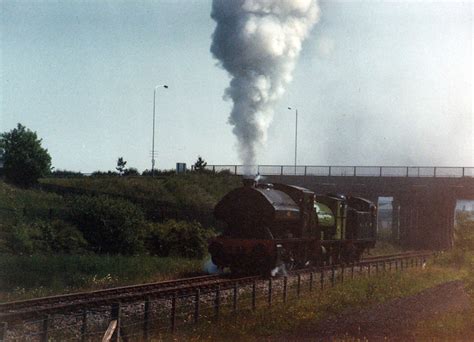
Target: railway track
25,309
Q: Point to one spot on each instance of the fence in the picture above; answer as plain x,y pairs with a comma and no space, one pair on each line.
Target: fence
163,316
345,171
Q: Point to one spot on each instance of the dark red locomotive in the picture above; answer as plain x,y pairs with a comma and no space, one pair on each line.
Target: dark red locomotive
278,226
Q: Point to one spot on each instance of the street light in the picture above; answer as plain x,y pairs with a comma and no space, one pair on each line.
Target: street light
296,133
153,136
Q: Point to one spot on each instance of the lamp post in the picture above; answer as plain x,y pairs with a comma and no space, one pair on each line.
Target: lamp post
296,133
153,135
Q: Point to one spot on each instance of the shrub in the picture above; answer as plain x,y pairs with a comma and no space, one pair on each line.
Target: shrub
65,174
464,232
45,236
104,173
131,171
110,225
179,238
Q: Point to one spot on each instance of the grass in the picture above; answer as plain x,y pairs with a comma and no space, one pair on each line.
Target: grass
193,189
454,326
384,248
23,277
17,203
304,314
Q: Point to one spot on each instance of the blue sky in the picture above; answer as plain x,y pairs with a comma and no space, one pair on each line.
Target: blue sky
377,83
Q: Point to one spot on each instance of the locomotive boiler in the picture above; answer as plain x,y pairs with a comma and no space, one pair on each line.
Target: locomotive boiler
278,226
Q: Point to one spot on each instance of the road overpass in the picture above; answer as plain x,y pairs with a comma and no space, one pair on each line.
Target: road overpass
424,198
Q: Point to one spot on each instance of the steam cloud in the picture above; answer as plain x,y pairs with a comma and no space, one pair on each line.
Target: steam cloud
258,42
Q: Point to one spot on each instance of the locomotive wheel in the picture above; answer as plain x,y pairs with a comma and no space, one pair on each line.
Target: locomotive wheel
349,254
261,260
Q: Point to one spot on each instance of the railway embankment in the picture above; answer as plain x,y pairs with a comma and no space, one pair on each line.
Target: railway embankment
182,308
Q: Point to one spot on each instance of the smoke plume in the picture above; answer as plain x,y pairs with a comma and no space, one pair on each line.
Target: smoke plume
258,42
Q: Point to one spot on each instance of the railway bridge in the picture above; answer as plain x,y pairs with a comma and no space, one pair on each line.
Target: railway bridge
424,198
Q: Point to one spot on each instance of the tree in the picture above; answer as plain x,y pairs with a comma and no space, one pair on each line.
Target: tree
25,160
121,165
200,164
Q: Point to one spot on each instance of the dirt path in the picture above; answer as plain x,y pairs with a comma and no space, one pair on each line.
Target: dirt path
393,320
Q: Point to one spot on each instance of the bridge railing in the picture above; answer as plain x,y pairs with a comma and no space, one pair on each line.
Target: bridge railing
345,171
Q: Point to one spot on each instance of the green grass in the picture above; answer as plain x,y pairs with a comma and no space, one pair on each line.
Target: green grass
17,203
305,313
39,275
454,326
197,190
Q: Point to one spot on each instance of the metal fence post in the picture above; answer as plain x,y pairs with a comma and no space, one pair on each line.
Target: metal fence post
270,291
3,331
298,286
333,276
146,319
310,281
322,279
285,288
342,274
355,172
84,326
281,170
173,313
197,301
115,315
45,329
217,302
254,295
235,298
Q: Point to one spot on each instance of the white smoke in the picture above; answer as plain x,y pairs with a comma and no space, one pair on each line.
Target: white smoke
258,42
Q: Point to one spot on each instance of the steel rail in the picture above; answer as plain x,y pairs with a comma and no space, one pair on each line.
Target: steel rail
127,294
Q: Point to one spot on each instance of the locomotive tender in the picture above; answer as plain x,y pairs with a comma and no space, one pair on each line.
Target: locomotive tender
277,226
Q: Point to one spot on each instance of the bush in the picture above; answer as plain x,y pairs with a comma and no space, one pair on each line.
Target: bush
104,173
65,174
179,238
44,237
131,171
110,225
464,232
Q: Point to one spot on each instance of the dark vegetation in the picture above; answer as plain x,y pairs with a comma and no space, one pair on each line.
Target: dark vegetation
25,160
111,215
47,238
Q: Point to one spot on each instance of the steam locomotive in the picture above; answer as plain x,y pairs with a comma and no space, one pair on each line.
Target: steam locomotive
271,227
